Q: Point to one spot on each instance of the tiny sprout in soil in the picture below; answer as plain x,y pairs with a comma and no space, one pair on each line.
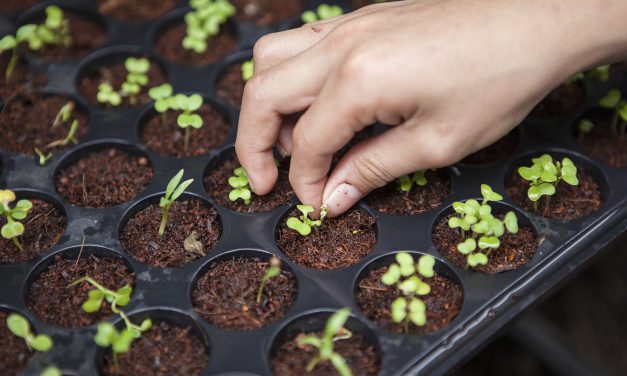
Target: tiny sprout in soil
323,12
120,341
204,22
13,228
173,191
405,275
273,271
248,67
303,224
51,371
120,298
333,331
545,174
20,327
406,182
136,78
615,102
480,229
241,186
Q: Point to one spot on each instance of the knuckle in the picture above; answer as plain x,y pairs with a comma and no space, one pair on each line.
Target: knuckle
371,171
254,87
262,51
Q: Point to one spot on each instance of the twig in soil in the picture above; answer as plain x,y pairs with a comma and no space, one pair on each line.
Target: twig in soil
80,252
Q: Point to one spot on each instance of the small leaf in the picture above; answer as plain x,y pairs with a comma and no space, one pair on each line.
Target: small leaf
297,225
511,222
340,364
181,189
41,343
423,288
392,275
477,259
248,68
404,183
420,178
406,263
410,285
106,334
8,42
536,192
92,305
18,325
488,194
486,242
145,325
173,183
467,246
194,102
6,196
305,209
425,266
417,312
51,371
611,100
123,341
12,230
309,17
398,309
336,322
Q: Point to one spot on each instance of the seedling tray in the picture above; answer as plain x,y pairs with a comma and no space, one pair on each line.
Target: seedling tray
489,302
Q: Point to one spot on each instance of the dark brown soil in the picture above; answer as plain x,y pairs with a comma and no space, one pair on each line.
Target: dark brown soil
515,250
265,12
115,74
167,138
564,100
140,237
26,123
135,10
15,5
226,295
104,178
391,200
443,303
230,86
87,35
14,353
217,185
339,242
23,79
169,45
601,143
53,302
498,151
164,350
292,359
568,203
44,226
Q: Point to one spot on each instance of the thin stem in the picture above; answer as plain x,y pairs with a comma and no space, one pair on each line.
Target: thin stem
11,66
262,285
622,128
17,243
313,363
187,136
164,220
614,123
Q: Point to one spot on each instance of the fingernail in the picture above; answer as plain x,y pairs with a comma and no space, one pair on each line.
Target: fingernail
342,198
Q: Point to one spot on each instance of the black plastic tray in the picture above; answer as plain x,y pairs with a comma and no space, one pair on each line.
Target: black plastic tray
489,301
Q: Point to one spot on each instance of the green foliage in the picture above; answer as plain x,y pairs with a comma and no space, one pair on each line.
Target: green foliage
173,191
406,182
107,95
120,341
118,298
248,67
69,138
204,22
162,95
273,270
334,331
323,12
136,78
545,174
406,275
64,114
584,127
480,229
43,157
51,371
188,118
615,102
13,229
303,224
20,327
241,186
601,73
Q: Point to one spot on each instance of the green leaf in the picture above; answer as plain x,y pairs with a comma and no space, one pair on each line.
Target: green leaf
51,371
54,17
569,172
145,325
420,178
297,225
585,126
243,194
106,334
8,42
160,92
455,222
392,275
18,325
404,183
24,205
488,194
406,263
173,183
193,120
425,266
410,285
459,207
536,192
467,246
194,102
248,68
238,181
496,227
622,111
471,207
309,17
137,65
123,341
25,32
340,364
422,288
477,259
398,309
511,222
482,227
305,209
181,189
486,242
92,305
530,173
309,340
41,343
12,230
611,100
336,322
542,160
417,312
485,212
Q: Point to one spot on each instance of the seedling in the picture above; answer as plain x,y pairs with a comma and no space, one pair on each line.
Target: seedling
136,78
64,114
162,95
173,191
405,275
204,22
544,176
188,105
323,12
334,330
20,327
241,186
118,298
108,96
273,271
406,182
584,127
479,228
10,43
51,371
43,157
303,224
13,228
615,102
601,73
120,341
248,67
69,138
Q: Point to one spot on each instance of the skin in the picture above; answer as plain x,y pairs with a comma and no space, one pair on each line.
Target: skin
451,76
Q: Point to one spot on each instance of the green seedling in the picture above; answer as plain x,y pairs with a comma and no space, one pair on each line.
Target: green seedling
204,22
480,229
273,270
20,327
323,12
108,96
406,182
64,114
13,229
164,101
136,78
241,186
248,67
118,298
334,331
601,73
544,176
584,127
69,138
51,371
615,102
406,275
188,118
120,341
173,191
10,43
43,157
303,224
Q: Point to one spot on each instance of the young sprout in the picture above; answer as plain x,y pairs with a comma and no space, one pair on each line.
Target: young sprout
120,341
204,22
10,43
334,330
107,95
162,95
13,228
241,188
584,127
303,224
173,191
601,73
323,12
480,229
405,275
615,102
56,29
545,174
64,114
273,271
51,371
118,298
136,78
43,157
248,68
406,182
188,105
69,138
20,327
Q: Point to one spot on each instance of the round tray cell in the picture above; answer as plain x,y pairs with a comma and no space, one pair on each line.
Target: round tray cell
34,120
193,229
168,42
337,243
86,30
174,345
228,82
44,226
225,291
563,100
515,250
374,298
14,352
496,152
420,199
602,142
161,133
103,175
359,347
263,12
216,182
569,202
135,11
108,67
48,293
